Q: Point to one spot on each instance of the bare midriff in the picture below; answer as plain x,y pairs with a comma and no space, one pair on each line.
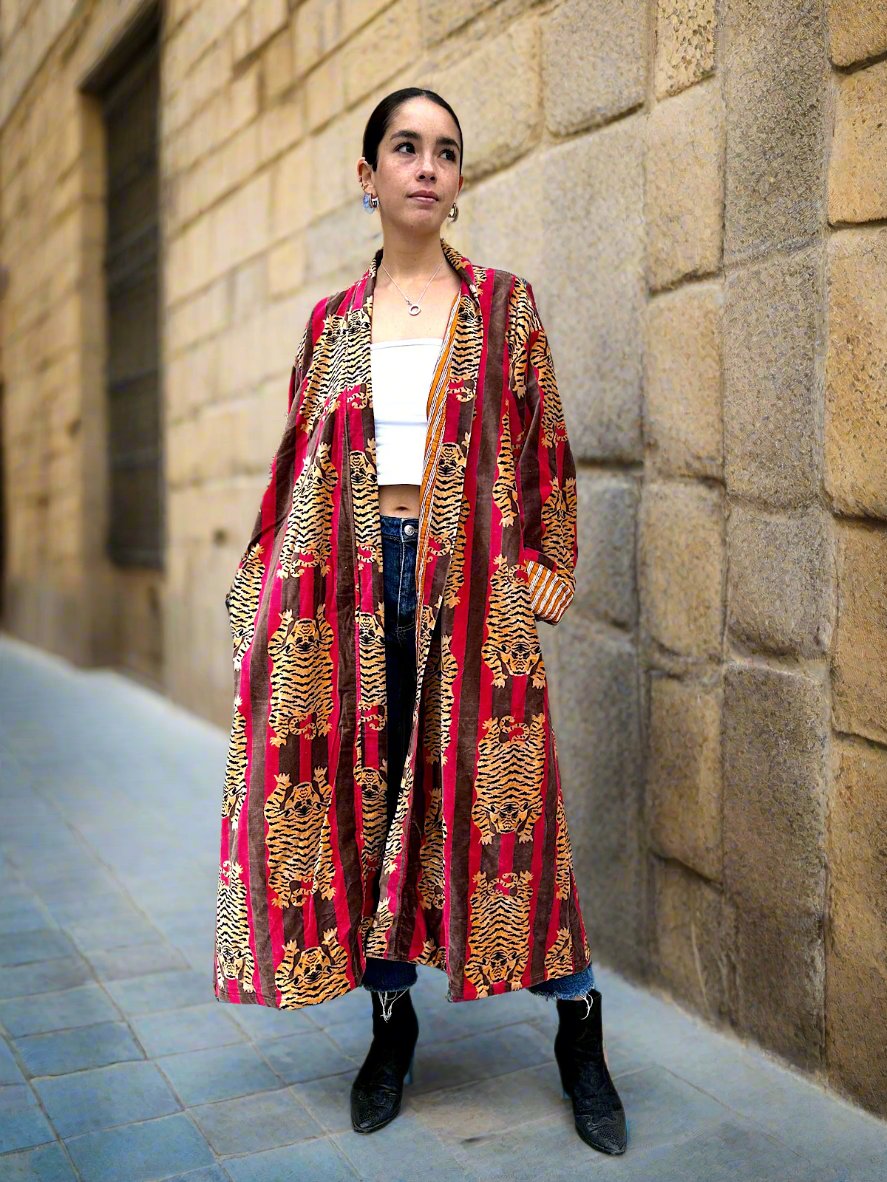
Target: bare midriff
392,321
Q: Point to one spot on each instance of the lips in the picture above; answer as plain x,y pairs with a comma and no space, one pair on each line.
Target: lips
429,197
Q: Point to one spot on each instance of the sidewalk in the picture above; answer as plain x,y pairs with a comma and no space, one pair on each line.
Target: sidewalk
117,1064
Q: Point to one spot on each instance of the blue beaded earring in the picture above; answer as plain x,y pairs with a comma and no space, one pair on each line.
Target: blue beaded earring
370,203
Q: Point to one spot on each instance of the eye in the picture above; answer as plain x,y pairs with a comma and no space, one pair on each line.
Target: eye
403,144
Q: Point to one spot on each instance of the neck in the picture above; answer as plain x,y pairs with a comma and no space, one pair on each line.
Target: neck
411,260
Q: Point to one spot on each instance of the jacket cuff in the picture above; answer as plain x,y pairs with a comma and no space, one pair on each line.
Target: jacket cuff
551,590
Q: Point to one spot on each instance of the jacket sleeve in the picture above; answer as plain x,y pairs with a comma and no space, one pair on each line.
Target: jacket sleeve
546,474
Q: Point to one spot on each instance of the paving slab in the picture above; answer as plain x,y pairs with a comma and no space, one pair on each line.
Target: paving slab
117,1064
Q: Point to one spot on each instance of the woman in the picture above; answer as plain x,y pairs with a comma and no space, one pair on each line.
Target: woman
392,793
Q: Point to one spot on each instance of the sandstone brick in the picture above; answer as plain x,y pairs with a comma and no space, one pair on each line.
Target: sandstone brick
440,18
286,266
500,98
856,31
775,91
685,43
593,61
775,744
856,999
684,404
280,127
591,225
606,585
381,48
599,751
856,374
324,91
278,67
685,185
292,189
495,215
859,686
690,952
318,27
684,773
682,568
781,580
772,450
858,162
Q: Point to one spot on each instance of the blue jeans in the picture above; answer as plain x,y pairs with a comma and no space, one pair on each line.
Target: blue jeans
400,538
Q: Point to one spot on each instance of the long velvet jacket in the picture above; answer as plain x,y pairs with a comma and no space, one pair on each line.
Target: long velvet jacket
475,873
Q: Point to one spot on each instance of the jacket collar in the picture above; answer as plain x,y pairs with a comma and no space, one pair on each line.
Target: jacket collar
456,259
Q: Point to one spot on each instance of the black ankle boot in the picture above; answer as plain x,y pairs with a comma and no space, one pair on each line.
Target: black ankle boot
579,1051
378,1085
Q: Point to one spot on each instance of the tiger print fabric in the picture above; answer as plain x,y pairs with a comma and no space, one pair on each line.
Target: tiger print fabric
474,874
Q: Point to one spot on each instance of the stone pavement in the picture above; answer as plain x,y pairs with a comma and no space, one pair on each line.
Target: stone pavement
118,1065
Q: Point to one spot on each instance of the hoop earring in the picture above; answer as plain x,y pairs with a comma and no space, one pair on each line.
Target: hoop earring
454,212
370,203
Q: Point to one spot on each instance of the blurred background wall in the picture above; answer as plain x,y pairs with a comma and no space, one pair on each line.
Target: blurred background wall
698,191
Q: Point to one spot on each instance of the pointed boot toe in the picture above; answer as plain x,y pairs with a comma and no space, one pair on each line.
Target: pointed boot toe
378,1086
598,1113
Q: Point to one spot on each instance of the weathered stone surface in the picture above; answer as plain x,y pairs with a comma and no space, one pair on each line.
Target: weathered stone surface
685,43
593,61
856,950
859,683
857,179
599,748
685,185
856,31
684,772
500,91
682,560
775,761
684,405
780,585
591,224
772,384
690,952
775,90
856,373
606,586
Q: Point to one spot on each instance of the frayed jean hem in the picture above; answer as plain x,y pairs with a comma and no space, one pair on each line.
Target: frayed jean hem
573,987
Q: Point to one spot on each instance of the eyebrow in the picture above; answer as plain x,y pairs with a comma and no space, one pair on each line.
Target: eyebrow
414,135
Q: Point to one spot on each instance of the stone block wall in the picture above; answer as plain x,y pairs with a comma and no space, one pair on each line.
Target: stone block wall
696,189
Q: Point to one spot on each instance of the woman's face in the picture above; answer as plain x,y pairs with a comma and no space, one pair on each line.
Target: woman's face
419,151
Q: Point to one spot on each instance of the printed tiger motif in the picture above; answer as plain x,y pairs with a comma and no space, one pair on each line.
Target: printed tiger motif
449,468
393,841
521,321
371,653
308,976
301,677
456,569
431,886
243,602
558,510
559,957
375,941
505,485
552,428
234,790
364,488
512,647
433,954
441,671
295,817
466,352
562,852
329,360
499,944
324,866
234,958
510,767
372,783
306,540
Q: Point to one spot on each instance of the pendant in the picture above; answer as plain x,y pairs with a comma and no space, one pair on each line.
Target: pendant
415,309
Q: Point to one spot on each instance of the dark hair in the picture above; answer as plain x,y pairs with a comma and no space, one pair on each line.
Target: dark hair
378,122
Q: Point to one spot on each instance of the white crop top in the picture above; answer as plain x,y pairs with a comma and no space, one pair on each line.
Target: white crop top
401,380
